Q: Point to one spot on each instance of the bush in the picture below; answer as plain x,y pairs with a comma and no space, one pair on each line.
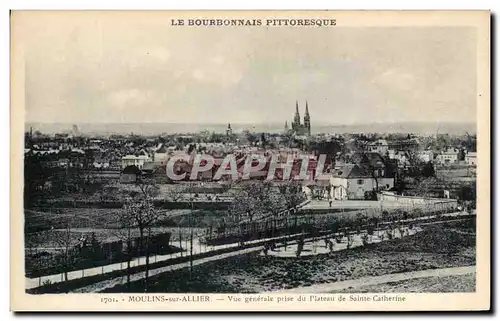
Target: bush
364,239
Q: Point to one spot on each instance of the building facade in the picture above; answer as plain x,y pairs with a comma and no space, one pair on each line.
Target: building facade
366,173
133,160
471,158
448,157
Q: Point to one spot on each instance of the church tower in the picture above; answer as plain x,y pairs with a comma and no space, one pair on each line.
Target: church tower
296,118
229,130
286,126
307,120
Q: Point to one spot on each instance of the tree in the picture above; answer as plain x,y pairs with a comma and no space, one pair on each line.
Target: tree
263,140
66,243
287,138
175,193
291,192
428,170
257,200
35,175
427,186
300,245
254,200
139,212
251,138
328,148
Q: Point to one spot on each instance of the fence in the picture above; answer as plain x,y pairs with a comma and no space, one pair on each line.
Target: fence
309,222
84,256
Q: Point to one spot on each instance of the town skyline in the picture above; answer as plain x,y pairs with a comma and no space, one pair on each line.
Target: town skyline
426,128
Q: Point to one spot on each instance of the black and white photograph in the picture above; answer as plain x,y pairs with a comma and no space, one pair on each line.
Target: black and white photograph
244,153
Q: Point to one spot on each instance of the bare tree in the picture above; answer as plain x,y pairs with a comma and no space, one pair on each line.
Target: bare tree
291,193
139,212
66,243
253,201
426,187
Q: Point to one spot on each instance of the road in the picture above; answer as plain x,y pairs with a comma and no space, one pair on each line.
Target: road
324,204
375,280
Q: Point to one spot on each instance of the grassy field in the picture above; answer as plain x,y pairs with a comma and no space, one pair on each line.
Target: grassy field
437,246
100,218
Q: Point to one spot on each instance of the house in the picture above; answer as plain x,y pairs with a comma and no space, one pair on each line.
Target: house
161,155
450,156
365,173
380,146
371,161
402,158
132,160
471,158
355,182
409,144
426,156
338,182
130,174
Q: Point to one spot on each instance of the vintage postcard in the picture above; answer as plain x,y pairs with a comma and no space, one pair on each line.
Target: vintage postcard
250,161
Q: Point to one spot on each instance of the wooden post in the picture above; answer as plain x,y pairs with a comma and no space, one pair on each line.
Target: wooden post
180,241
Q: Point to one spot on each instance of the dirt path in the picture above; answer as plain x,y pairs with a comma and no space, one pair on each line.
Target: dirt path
374,280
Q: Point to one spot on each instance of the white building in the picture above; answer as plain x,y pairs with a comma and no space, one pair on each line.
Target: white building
353,182
426,156
471,158
380,146
450,156
161,158
132,160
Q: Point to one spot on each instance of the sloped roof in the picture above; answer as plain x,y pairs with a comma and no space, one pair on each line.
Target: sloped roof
344,171
352,171
162,149
374,159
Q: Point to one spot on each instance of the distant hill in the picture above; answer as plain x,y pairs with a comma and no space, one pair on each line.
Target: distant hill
161,128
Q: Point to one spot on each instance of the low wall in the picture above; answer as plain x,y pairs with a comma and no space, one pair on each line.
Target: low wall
392,201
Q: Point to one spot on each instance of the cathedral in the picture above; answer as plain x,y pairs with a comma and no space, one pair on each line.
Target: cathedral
298,128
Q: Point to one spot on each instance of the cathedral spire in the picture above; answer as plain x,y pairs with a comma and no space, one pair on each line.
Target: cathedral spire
296,118
307,120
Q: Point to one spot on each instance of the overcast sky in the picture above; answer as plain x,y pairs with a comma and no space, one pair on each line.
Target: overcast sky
91,68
